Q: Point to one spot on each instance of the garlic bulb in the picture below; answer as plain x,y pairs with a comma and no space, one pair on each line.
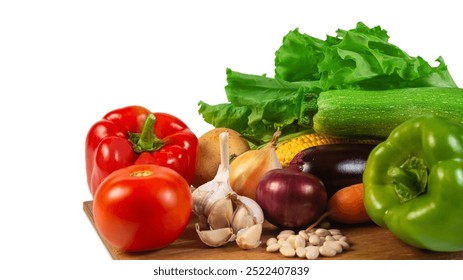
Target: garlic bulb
207,194
224,216
248,168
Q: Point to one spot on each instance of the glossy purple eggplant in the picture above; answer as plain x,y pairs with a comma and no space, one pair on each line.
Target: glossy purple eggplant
336,165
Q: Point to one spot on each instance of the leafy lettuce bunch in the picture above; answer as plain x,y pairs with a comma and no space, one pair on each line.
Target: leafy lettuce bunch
360,58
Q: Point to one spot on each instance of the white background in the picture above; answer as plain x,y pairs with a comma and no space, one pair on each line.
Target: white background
64,64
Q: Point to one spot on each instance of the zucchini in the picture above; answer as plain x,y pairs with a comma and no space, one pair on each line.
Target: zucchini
374,114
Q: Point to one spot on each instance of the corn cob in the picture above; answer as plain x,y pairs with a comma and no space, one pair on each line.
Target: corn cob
287,150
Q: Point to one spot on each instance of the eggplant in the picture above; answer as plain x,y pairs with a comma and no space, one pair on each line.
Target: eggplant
336,165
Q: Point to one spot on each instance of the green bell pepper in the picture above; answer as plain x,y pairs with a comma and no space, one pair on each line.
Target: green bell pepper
413,183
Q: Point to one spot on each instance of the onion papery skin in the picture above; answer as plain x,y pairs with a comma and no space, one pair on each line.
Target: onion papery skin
291,199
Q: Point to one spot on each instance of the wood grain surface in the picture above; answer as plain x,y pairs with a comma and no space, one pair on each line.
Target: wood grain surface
368,242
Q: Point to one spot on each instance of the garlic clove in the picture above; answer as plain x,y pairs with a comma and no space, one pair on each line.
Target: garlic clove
249,238
242,218
221,214
253,207
202,223
216,237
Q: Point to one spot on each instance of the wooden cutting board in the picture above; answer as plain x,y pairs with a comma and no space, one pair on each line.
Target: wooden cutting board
368,242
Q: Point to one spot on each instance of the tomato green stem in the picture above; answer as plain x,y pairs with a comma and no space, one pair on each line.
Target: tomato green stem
146,141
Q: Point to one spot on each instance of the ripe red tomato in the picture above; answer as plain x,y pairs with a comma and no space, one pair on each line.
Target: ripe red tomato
142,207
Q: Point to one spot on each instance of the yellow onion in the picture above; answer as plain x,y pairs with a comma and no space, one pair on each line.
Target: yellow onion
248,168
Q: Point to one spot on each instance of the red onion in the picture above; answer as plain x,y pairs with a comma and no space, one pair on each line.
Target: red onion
290,198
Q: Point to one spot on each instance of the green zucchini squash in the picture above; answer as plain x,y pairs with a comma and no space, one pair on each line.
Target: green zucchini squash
374,114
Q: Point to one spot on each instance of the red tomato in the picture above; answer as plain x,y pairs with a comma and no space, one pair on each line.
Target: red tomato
142,207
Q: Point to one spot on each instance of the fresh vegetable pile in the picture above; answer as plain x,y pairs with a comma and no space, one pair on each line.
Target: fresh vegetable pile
354,61
139,169
350,130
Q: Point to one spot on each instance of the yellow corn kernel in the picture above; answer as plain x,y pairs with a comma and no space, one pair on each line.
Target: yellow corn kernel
287,150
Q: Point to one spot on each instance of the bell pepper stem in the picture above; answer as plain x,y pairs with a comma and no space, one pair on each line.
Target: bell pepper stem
410,179
146,141
403,177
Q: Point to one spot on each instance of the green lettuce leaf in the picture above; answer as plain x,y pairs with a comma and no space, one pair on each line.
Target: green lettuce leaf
225,115
298,58
360,58
259,105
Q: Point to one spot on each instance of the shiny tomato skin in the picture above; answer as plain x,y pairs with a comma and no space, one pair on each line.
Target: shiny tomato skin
142,207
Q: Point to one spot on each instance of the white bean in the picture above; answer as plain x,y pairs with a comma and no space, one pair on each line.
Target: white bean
292,240
285,243
283,235
314,240
334,231
287,231
271,241
287,251
326,251
322,232
335,245
344,244
300,252
312,252
275,247
337,236
304,234
329,238
299,242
